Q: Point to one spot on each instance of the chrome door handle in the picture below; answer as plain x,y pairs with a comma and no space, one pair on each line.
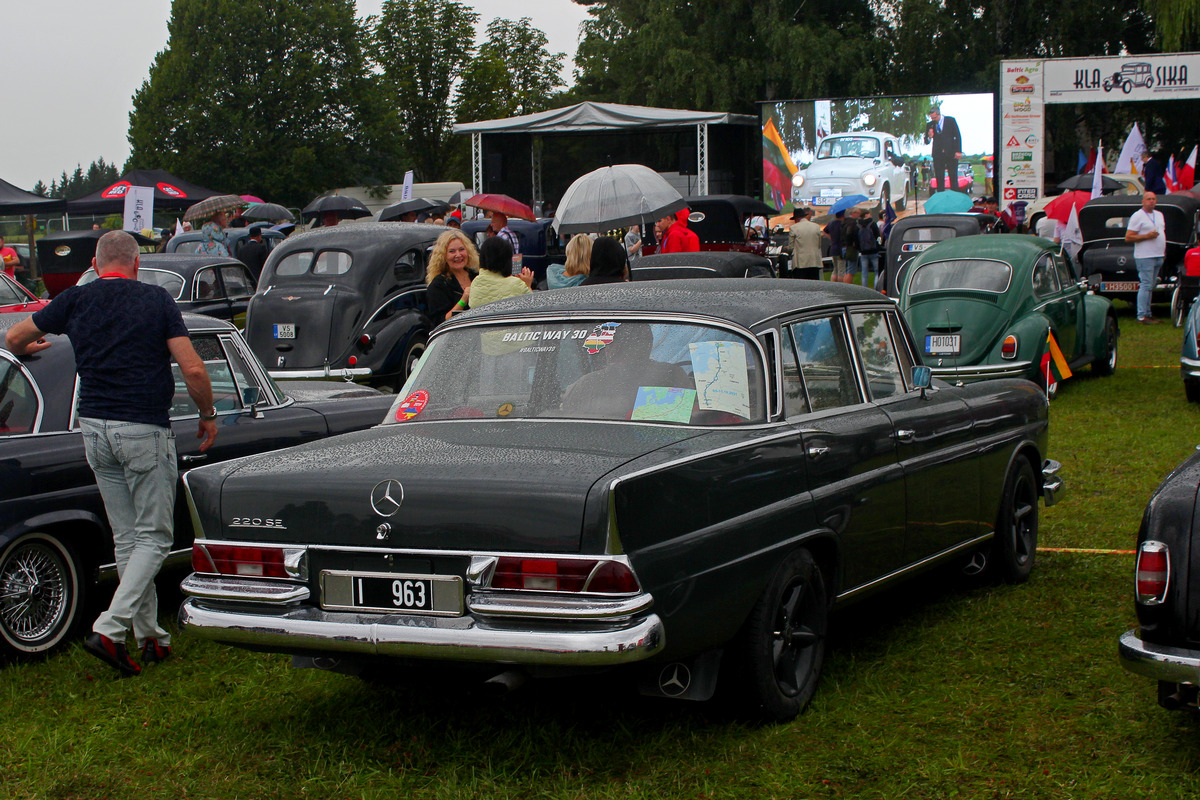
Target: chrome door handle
817,451
193,459
905,435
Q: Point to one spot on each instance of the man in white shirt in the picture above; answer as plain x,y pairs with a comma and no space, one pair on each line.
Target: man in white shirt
1148,232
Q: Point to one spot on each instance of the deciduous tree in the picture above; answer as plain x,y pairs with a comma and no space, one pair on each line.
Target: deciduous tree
514,73
268,97
421,49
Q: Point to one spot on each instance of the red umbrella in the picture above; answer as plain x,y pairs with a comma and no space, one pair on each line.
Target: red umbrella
1060,207
503,204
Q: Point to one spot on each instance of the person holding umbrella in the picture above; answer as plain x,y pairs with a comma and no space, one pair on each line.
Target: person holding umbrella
214,241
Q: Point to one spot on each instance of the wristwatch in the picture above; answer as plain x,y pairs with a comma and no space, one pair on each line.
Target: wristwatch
209,417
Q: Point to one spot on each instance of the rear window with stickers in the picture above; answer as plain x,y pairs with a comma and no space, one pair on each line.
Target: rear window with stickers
617,370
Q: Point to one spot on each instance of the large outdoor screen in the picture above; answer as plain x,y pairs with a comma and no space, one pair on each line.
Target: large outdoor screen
818,151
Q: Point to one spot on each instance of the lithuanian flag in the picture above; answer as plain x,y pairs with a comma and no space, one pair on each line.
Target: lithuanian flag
778,167
1054,357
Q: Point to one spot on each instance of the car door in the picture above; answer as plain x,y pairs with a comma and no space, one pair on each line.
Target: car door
1073,295
208,295
1060,304
934,434
238,285
857,485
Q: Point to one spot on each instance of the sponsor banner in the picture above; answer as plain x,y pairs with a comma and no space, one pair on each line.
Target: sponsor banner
1113,79
139,208
1022,129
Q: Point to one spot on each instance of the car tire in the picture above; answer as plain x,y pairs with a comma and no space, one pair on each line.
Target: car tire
1014,548
902,203
42,594
414,351
1192,390
780,650
1106,362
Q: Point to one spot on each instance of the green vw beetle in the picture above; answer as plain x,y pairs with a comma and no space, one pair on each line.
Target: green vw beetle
1006,306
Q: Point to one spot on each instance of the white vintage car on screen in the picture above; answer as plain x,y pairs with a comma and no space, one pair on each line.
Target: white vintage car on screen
867,163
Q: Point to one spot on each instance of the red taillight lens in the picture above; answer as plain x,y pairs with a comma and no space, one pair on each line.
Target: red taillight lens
564,575
1153,573
365,342
353,360
222,559
1009,347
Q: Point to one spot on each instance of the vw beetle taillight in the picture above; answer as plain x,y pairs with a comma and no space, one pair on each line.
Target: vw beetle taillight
1008,349
1153,574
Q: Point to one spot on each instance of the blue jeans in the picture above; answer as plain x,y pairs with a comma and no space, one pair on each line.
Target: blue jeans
870,260
136,471
1147,270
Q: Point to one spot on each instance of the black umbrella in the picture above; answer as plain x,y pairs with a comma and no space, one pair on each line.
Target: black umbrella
417,205
271,211
344,207
1084,183
459,198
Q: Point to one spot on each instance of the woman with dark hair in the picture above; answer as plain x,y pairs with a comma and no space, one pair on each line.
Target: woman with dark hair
610,262
495,280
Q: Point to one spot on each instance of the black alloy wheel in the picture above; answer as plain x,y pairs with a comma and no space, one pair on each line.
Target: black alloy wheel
41,594
1015,546
781,648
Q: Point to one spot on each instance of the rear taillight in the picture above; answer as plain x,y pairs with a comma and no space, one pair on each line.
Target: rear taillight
564,575
366,342
352,360
1008,349
1153,574
224,559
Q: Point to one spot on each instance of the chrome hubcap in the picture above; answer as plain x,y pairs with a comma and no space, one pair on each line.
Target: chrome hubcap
32,592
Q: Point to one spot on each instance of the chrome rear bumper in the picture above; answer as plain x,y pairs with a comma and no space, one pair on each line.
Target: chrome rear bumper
982,372
1158,661
1053,486
584,634
326,372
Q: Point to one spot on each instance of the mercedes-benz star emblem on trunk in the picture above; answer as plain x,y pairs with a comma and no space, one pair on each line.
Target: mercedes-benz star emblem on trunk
386,497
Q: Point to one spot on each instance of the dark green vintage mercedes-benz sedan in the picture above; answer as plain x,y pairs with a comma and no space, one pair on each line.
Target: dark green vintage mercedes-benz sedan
681,478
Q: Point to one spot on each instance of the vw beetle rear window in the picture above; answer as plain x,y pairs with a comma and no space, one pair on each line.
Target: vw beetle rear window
978,274
667,372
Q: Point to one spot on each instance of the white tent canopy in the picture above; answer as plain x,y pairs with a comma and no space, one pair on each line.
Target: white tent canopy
594,117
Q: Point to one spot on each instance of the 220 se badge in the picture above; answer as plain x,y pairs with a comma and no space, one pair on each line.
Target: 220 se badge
682,478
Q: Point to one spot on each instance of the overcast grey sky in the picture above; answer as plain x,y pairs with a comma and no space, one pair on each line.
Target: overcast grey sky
71,67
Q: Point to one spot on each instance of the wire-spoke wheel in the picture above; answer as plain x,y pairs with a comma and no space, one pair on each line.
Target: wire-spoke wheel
781,649
1017,523
41,593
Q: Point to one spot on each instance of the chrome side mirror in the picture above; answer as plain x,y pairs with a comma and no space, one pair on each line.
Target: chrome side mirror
251,397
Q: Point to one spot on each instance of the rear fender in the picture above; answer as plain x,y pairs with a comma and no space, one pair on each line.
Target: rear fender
1096,310
1031,332
87,531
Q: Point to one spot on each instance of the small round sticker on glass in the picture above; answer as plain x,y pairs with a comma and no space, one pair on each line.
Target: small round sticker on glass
504,410
413,404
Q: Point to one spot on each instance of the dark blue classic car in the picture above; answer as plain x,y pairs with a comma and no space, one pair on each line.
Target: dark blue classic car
345,301
677,477
1165,646
215,286
55,542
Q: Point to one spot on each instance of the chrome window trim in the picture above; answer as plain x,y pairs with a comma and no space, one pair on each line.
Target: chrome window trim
904,379
775,406
388,301
245,272
37,393
950,551
260,374
218,286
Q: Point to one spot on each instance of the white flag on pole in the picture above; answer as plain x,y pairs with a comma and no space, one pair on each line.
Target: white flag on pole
406,194
1130,159
1072,236
1097,172
139,208
178,226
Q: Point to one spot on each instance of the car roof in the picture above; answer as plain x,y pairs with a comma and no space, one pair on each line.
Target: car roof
860,133
184,263
1183,202
1014,248
744,301
194,322
723,262
363,234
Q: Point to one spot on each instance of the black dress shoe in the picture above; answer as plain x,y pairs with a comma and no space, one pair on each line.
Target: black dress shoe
112,653
154,653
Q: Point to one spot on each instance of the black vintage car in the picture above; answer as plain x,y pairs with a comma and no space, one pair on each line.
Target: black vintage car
55,543
681,477
705,264
190,241
1165,646
912,235
65,255
1106,259
215,286
539,245
346,301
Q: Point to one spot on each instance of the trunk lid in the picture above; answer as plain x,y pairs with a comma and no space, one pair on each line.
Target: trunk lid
975,316
509,486
324,320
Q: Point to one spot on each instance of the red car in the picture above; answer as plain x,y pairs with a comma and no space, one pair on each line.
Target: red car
966,179
16,298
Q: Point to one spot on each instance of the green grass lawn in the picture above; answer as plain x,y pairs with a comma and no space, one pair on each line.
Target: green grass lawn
936,690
